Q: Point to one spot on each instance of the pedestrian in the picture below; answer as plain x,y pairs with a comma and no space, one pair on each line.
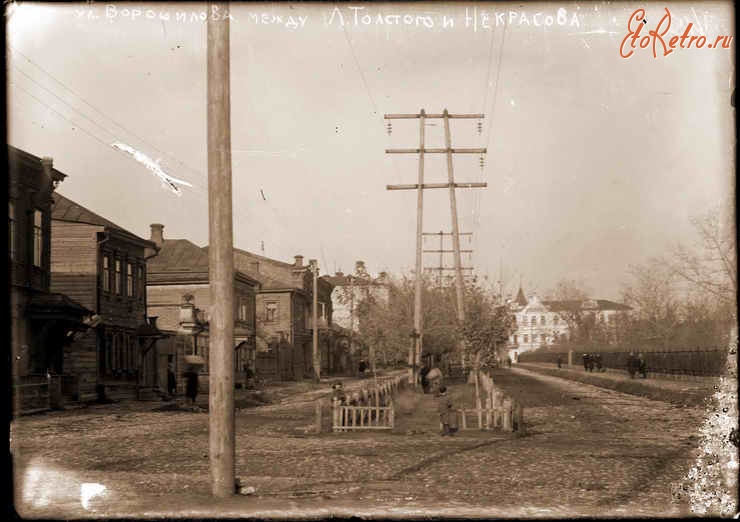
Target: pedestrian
337,394
362,367
508,361
585,362
248,377
171,380
434,379
642,365
559,362
597,361
423,375
191,384
632,364
447,413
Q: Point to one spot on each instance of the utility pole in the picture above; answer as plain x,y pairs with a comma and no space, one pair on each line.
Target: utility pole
415,357
221,432
441,268
315,305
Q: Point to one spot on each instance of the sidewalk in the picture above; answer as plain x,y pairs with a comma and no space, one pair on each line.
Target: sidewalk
685,392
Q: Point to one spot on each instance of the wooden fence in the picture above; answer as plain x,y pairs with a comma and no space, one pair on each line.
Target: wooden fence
33,397
354,418
368,408
499,412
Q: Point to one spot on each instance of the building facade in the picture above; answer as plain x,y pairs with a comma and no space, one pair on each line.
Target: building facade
42,322
542,323
179,297
104,267
285,317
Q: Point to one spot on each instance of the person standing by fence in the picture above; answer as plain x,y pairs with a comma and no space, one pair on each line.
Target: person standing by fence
642,365
632,365
447,413
559,362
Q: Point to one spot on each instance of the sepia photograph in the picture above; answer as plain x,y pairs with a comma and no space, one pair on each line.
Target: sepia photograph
386,260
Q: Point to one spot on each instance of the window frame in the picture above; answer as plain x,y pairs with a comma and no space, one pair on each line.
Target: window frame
117,275
271,311
37,234
130,286
105,273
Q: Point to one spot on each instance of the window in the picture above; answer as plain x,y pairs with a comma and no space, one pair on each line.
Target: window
542,319
38,237
11,230
271,312
606,318
526,338
117,279
242,312
533,320
556,319
130,280
543,338
322,311
106,274
516,339
141,282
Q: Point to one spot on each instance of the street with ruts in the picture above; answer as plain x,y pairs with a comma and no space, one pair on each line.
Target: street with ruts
585,450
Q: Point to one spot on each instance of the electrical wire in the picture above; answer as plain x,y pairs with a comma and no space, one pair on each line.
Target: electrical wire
357,64
100,112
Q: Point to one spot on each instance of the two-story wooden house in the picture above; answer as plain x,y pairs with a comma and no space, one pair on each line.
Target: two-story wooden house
104,267
42,322
179,296
285,316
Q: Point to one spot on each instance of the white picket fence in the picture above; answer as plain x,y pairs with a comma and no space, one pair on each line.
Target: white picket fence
368,408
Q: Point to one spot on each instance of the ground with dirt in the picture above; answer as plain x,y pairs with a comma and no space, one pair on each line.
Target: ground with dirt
586,451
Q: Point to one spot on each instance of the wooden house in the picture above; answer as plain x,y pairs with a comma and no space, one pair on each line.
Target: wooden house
104,267
42,322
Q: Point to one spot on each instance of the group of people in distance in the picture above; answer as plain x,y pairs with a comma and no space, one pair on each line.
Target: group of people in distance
635,365
592,361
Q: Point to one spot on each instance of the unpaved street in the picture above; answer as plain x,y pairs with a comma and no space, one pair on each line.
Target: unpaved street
587,451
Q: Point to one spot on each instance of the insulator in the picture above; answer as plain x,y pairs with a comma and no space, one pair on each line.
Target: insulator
389,128
480,127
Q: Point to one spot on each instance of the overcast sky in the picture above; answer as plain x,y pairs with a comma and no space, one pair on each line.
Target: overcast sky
594,162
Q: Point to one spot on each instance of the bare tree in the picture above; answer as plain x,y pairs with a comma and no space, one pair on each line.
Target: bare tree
654,297
711,266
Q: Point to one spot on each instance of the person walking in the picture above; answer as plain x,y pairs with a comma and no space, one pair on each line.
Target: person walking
171,381
560,362
447,413
424,381
191,384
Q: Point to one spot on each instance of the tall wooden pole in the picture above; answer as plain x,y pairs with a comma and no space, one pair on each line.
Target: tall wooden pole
316,357
418,317
455,232
221,257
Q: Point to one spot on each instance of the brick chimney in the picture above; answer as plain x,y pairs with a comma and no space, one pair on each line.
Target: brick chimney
157,235
359,266
339,274
298,260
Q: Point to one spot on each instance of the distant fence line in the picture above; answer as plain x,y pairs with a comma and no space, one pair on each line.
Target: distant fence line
707,362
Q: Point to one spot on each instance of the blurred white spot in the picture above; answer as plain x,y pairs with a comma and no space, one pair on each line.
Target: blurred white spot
89,490
512,103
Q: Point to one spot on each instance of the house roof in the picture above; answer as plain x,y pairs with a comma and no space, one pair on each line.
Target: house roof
64,209
598,304
520,299
272,273
180,259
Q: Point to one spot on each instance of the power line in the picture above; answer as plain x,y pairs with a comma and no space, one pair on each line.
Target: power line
357,64
69,89
495,87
